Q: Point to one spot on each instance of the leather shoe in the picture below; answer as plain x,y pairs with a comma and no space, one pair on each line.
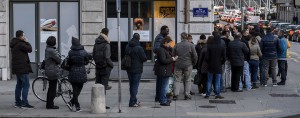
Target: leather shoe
53,107
175,97
165,104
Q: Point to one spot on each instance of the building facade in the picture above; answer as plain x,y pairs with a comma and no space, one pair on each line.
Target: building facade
84,19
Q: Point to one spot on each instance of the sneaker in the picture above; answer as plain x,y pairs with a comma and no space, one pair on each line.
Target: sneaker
275,84
135,105
78,109
70,105
206,97
165,104
28,106
203,94
18,106
219,97
264,85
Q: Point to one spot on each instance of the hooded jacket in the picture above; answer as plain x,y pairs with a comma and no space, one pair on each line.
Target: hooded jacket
78,58
20,60
102,44
137,54
52,61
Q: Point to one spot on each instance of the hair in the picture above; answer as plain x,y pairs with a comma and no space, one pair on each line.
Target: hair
238,35
184,36
210,39
136,36
167,39
215,33
256,34
224,32
105,31
243,31
269,30
203,37
253,40
189,35
163,28
51,41
19,33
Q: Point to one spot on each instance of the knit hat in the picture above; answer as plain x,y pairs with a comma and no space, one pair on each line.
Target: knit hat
76,44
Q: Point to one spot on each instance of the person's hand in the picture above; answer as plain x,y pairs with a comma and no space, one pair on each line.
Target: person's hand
175,58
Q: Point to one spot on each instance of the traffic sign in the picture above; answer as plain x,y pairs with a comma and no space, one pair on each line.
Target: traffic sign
200,12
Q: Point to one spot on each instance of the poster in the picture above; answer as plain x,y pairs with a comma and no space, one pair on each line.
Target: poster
141,26
48,27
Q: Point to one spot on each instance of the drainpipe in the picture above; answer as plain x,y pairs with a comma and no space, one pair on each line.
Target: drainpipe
186,14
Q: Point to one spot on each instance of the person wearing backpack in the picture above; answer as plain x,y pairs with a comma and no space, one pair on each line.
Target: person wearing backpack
134,72
101,56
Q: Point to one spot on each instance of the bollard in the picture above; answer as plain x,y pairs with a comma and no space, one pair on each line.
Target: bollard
98,99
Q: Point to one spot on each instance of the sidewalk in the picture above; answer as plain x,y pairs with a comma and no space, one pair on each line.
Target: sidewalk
249,104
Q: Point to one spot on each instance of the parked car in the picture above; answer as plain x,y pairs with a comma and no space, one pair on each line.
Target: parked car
273,24
283,26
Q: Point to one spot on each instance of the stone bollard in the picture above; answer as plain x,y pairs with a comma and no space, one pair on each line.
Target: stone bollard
98,99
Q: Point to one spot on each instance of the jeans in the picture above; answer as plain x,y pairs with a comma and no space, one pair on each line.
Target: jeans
270,64
51,93
134,81
217,78
22,86
227,74
164,82
254,70
237,72
77,87
246,76
184,74
282,69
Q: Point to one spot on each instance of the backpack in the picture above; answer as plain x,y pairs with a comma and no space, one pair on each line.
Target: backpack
126,62
99,58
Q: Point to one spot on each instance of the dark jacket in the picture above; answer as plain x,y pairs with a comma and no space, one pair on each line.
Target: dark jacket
269,46
78,58
52,62
216,55
202,62
137,54
164,62
102,44
246,39
157,42
20,60
237,51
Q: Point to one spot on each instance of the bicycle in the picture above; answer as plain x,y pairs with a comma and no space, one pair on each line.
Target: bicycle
64,87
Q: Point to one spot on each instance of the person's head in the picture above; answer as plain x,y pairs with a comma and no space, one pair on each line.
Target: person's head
237,35
190,38
269,30
105,31
19,34
226,27
136,36
202,37
245,32
275,32
235,29
184,36
225,33
166,41
164,30
281,33
51,41
214,33
210,40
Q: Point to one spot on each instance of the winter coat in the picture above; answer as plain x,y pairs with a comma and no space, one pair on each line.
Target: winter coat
20,62
269,46
138,56
164,62
246,40
283,46
237,49
52,61
78,58
216,55
255,51
157,42
198,48
202,62
187,55
102,44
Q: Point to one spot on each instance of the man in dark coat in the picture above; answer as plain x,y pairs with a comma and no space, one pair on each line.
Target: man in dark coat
20,48
246,38
236,52
138,57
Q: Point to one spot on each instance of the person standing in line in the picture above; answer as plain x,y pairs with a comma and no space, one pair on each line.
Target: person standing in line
202,64
282,58
215,57
226,69
200,45
52,62
138,57
101,55
164,68
78,58
20,47
190,39
247,80
164,31
269,48
187,57
236,51
255,53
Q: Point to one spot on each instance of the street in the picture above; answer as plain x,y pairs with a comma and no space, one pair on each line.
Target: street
268,101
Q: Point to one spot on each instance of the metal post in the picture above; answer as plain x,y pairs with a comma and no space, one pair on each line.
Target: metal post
242,16
118,3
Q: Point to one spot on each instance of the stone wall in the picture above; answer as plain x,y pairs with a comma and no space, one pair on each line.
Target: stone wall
4,41
92,21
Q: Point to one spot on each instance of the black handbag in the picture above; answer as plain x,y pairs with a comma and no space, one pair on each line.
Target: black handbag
65,64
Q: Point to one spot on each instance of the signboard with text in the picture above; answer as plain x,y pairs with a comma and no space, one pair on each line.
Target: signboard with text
200,12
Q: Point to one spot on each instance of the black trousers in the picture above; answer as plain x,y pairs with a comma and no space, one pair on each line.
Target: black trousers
77,87
203,82
237,72
51,93
102,76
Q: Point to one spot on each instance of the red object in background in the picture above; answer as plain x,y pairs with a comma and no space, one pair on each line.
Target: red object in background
250,9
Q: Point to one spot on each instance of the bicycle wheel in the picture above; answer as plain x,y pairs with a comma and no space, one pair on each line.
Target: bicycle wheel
40,88
66,90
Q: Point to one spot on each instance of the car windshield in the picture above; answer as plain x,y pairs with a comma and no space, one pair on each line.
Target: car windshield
284,26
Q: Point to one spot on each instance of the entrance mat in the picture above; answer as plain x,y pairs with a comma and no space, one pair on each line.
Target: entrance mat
207,106
222,101
284,95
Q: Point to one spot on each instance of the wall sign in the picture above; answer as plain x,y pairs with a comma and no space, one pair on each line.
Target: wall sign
200,12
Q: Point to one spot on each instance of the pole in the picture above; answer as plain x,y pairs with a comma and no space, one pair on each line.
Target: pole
118,3
242,16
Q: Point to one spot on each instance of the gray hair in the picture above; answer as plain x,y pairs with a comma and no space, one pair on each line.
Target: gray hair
184,36
238,35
